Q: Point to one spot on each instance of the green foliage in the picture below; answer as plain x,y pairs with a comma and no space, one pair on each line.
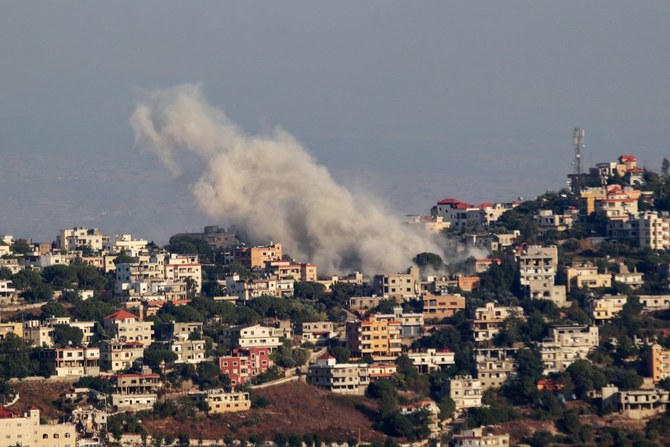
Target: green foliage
288,357
447,407
309,290
340,353
15,358
208,376
25,279
585,377
60,276
38,293
540,438
183,408
5,273
21,246
413,426
96,383
154,357
66,335
187,245
93,309
426,259
53,309
180,314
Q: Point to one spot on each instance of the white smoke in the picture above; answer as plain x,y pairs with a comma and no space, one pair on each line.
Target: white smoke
271,188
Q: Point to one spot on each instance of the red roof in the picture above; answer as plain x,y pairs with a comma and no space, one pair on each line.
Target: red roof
121,315
448,202
634,171
485,205
326,356
6,413
628,158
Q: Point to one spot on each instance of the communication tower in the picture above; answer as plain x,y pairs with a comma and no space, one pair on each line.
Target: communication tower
578,139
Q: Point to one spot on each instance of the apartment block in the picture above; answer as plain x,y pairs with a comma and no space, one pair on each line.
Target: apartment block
606,307
658,360
72,238
221,401
251,336
26,429
243,365
537,263
481,437
490,318
317,332
466,392
124,326
566,344
635,404
411,323
256,257
438,307
495,366
116,355
652,303
586,276
432,360
342,378
379,339
77,361
304,272
398,285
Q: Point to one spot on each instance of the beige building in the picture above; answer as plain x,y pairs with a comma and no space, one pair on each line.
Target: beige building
652,303
184,268
633,279
398,285
540,289
316,332
27,430
72,238
431,360
481,437
379,339
546,219
116,355
586,276
77,361
124,326
494,366
251,336
635,404
490,318
466,392
11,328
256,257
654,230
340,378
220,401
538,263
298,272
411,323
438,307
567,344
606,307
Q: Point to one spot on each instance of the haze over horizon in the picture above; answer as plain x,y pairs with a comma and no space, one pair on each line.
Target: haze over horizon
412,101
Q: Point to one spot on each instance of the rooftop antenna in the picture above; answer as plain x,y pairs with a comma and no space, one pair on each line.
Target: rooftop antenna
578,139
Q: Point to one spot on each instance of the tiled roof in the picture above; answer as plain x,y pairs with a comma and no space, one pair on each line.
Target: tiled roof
121,315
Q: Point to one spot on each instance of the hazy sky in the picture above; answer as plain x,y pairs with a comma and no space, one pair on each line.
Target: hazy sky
413,100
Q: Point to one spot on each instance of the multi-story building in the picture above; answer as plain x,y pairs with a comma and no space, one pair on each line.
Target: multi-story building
12,265
411,323
398,285
635,404
304,272
220,401
124,326
540,289
546,219
145,382
251,336
256,257
432,360
27,430
466,392
618,204
341,378
652,303
317,332
490,318
243,365
567,344
494,366
188,350
249,289
586,276
478,437
437,307
184,268
654,230
124,243
379,339
7,291
461,214
606,307
658,360
116,355
175,329
633,279
430,224
73,238
77,361
537,263
215,237
11,328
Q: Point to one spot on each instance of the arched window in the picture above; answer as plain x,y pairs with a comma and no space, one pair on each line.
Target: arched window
45,436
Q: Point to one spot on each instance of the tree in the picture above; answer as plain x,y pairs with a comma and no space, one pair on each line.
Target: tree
665,166
38,293
340,353
426,259
66,335
154,357
21,246
447,407
5,273
60,276
54,309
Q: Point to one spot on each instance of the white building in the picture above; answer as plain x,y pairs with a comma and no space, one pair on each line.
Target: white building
466,392
431,360
567,344
72,238
252,336
124,243
341,378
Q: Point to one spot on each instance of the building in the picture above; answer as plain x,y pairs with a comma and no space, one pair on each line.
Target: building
540,289
606,307
495,366
461,214
73,238
184,268
466,392
379,339
7,291
411,323
256,257
431,360
317,332
11,328
248,289
547,220
243,365
566,344
438,307
480,437
537,263
27,430
303,272
12,265
398,285
633,279
490,318
381,370
658,360
145,382
342,378
215,237
251,336
124,326
432,411
635,404
586,276
653,303
73,361
116,355
220,401
468,283
124,243
430,224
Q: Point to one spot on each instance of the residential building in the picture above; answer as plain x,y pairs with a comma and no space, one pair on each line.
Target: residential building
303,272
116,355
77,361
653,303
480,437
461,214
411,323
184,268
317,332
215,237
495,366
635,404
379,370
432,360
466,392
27,430
586,276
7,291
618,204
606,307
542,289
438,307
537,263
145,382
398,285
243,365
12,265
490,318
430,224
379,339
633,279
73,238
175,329
658,361
566,344
468,283
654,230
251,336
546,219
220,401
133,402
124,243
342,378
364,303
39,334
432,411
124,326
15,328
483,265
256,257
252,288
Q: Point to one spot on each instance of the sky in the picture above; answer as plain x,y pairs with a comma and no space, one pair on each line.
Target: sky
411,101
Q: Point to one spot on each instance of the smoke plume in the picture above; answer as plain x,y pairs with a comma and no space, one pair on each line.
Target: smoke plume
271,188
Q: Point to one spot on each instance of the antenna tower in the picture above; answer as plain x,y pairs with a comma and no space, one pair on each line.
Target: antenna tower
578,138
